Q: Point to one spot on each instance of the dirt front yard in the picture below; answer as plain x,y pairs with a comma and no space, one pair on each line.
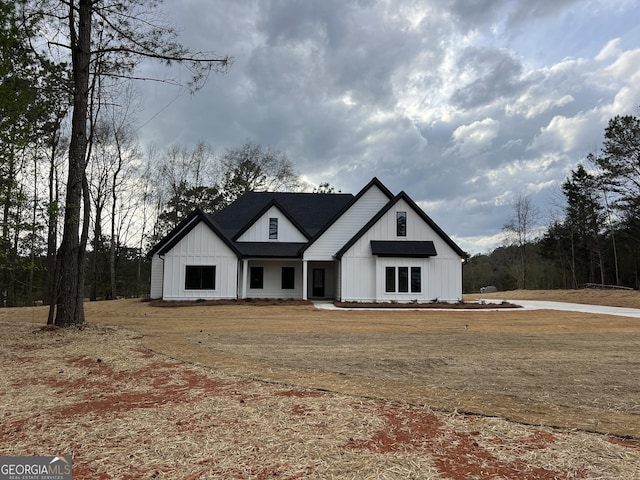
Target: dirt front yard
287,391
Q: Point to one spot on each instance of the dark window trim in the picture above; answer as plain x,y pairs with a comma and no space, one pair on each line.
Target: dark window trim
196,277
416,279
273,228
289,278
401,224
390,280
408,279
256,280
403,279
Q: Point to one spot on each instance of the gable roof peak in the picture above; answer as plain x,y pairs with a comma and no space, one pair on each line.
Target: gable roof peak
414,206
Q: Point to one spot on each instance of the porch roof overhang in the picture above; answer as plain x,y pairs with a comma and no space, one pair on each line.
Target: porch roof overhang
406,248
270,249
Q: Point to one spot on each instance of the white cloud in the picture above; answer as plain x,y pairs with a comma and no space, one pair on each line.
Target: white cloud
470,140
610,50
462,106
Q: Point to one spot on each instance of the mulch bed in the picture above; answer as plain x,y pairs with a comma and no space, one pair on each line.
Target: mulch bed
292,302
430,305
212,303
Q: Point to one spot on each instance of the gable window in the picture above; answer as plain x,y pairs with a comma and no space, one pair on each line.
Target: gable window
200,277
403,279
288,278
390,279
416,279
256,277
273,228
401,224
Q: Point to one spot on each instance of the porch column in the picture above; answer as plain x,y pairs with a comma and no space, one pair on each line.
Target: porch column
245,267
305,280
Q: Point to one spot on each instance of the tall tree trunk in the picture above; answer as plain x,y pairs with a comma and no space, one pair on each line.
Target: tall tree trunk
34,211
6,257
97,248
70,307
114,200
51,284
52,219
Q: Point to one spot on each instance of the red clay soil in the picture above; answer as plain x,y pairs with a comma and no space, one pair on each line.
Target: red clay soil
457,455
93,392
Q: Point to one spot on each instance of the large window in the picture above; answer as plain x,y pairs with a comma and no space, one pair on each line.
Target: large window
390,279
408,278
416,279
273,229
256,277
288,278
401,224
200,277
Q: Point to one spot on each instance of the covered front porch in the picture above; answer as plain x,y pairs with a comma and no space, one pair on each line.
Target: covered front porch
287,278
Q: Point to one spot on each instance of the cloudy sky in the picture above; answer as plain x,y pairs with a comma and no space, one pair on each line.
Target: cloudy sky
463,104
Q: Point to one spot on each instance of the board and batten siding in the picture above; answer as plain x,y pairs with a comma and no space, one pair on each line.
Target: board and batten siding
157,272
200,247
363,274
259,231
345,227
272,279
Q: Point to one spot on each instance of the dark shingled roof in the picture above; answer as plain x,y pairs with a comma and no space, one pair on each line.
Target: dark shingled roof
270,249
309,211
406,248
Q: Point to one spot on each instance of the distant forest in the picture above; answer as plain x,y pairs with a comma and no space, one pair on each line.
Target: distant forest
596,240
78,212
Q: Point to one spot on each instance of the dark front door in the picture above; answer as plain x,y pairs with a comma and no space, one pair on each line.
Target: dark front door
318,283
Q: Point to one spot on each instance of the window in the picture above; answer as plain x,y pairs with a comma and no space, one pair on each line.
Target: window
256,277
200,277
273,229
288,278
401,224
390,279
403,279
416,279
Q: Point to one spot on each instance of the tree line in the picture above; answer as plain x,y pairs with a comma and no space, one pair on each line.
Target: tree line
595,240
80,201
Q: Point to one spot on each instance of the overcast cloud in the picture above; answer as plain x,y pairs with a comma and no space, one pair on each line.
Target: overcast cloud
462,104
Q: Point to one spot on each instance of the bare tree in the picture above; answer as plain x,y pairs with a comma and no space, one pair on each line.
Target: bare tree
252,167
104,39
519,231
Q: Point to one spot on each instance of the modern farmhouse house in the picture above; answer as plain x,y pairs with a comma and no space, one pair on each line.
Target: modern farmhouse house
372,247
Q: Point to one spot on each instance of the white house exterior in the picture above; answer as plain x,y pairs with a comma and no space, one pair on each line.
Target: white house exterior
372,247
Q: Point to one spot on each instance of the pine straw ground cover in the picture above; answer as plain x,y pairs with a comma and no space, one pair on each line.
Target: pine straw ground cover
202,409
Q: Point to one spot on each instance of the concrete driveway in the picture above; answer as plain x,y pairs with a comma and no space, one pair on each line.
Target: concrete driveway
527,304
578,307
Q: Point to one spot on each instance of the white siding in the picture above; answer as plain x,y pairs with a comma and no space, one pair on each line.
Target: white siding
330,281
344,228
157,267
200,247
272,279
363,275
259,231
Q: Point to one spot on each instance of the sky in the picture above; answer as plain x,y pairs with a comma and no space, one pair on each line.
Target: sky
465,105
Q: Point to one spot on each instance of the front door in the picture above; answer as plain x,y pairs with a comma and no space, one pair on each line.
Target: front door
317,289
